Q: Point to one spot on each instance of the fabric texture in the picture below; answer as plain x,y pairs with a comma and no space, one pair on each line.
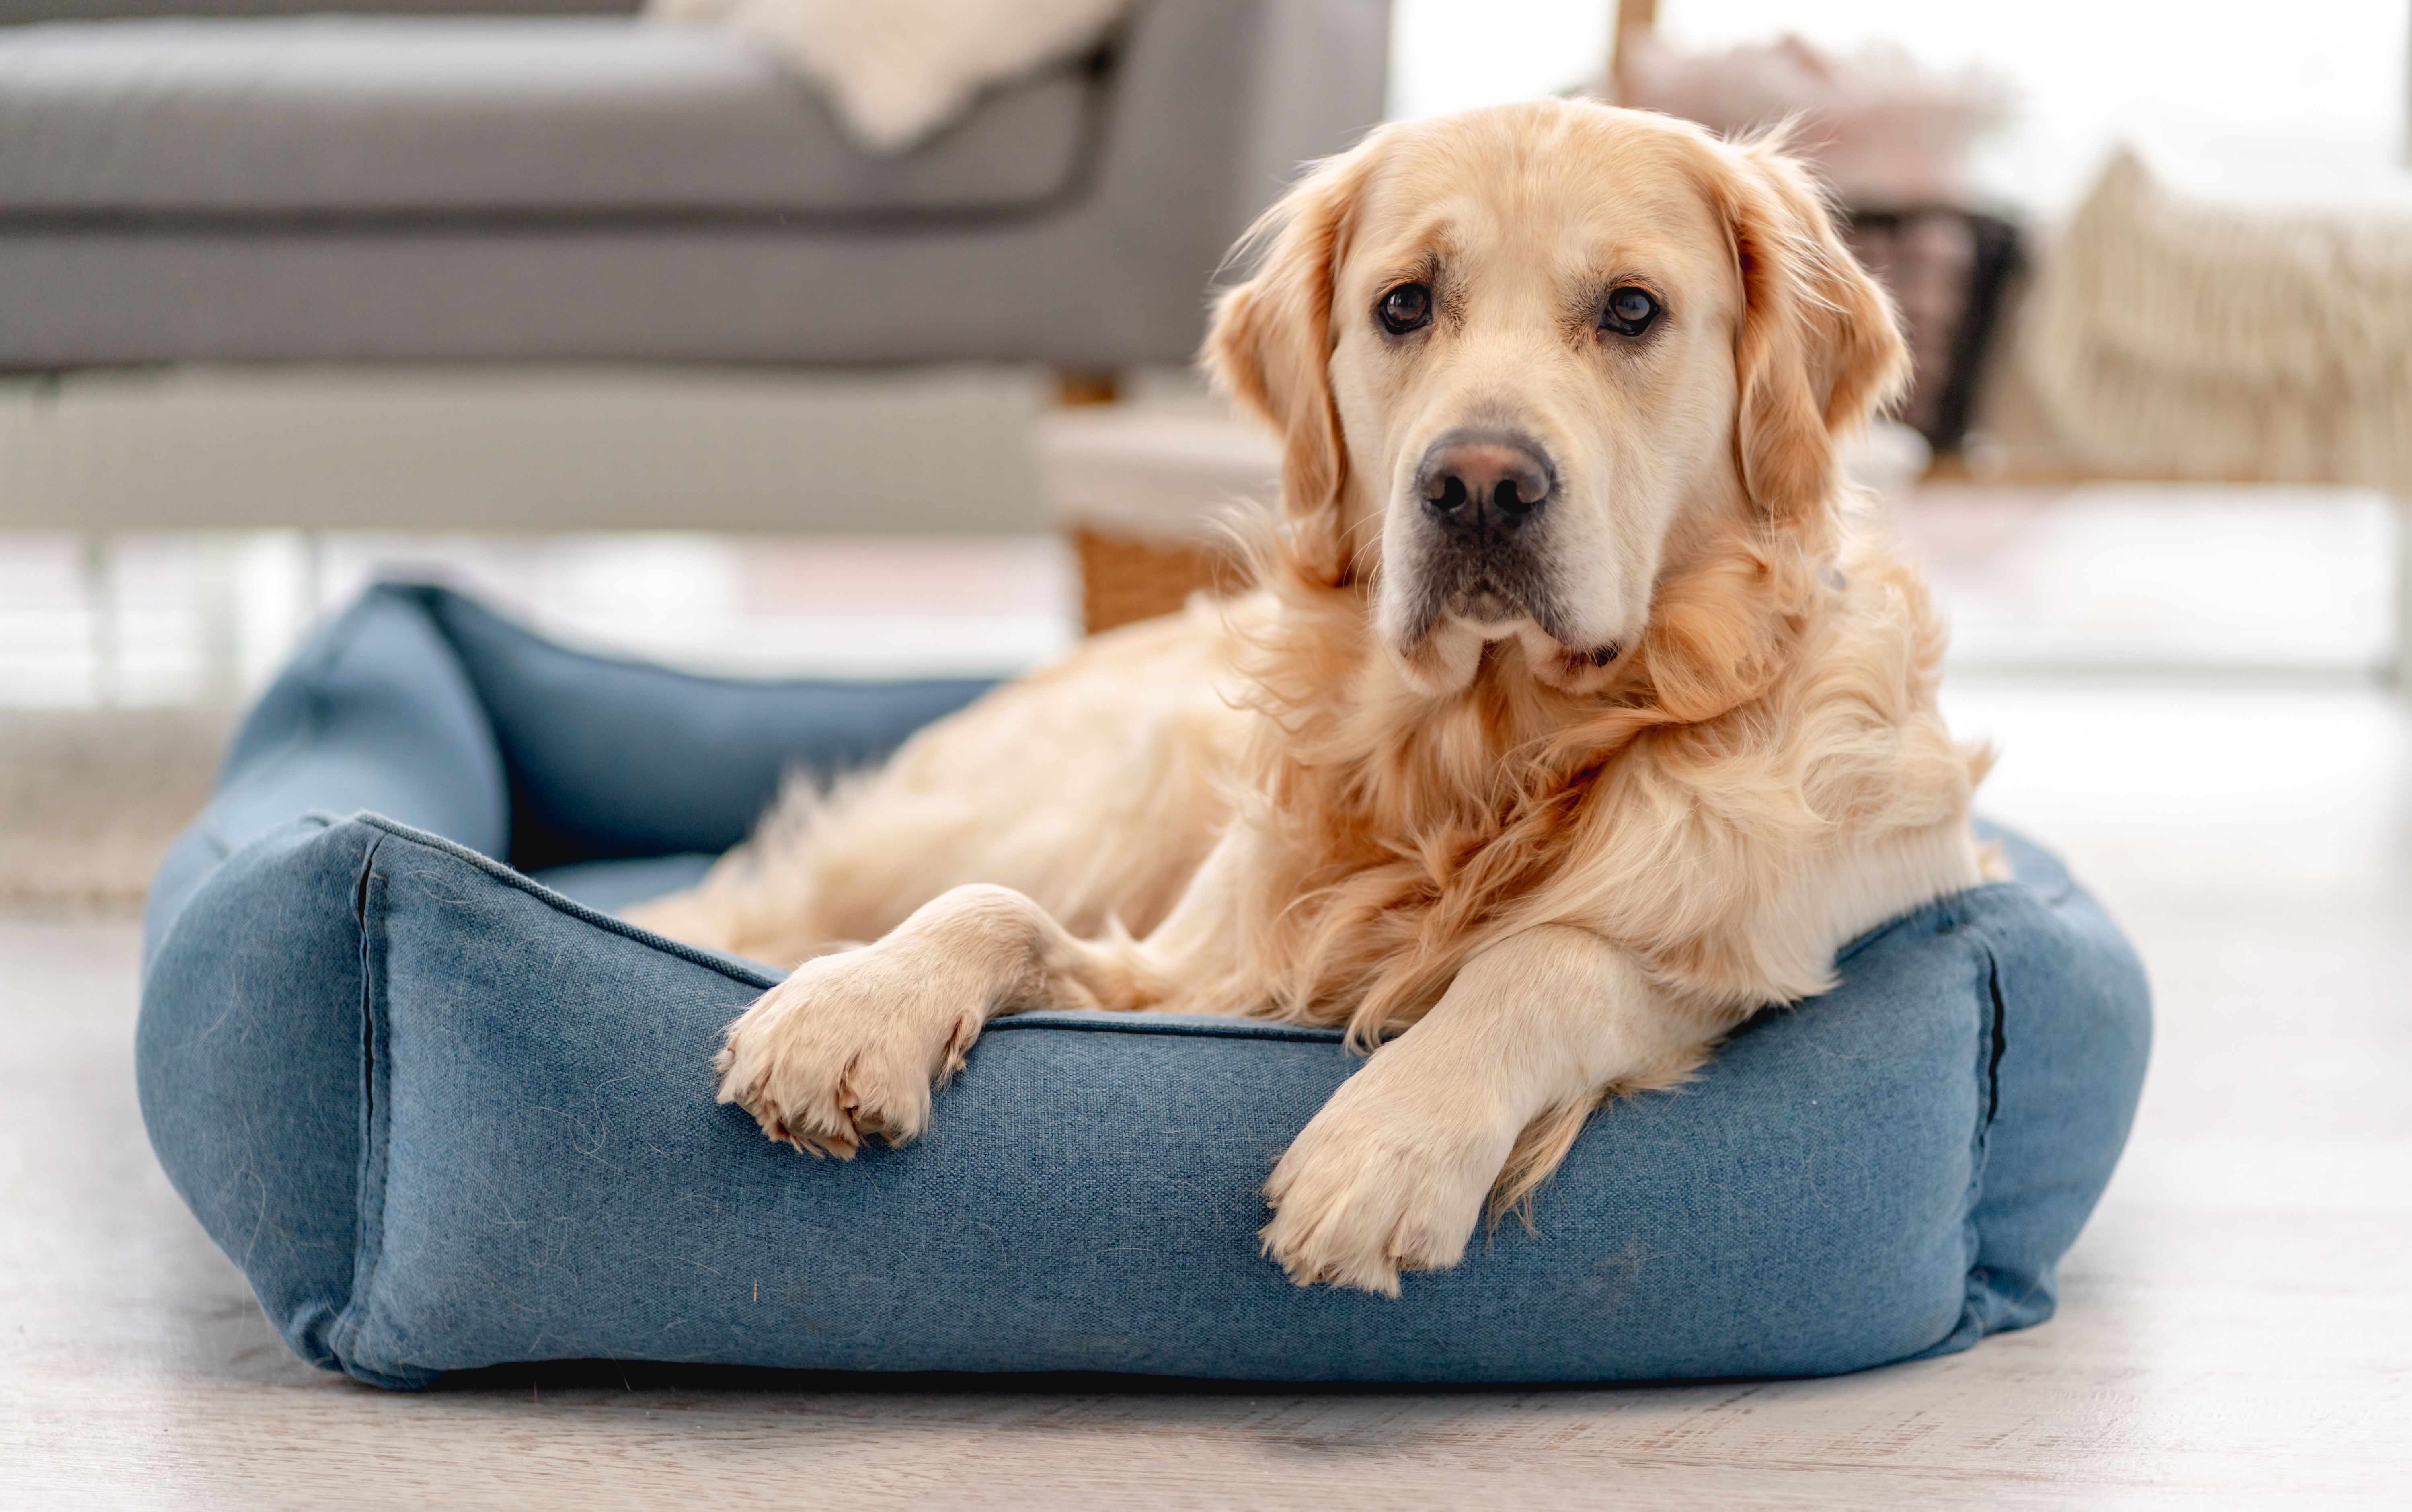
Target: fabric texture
444,1116
896,71
573,188
357,114
2188,338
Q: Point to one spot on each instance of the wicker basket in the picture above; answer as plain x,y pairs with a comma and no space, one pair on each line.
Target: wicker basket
1140,489
1123,579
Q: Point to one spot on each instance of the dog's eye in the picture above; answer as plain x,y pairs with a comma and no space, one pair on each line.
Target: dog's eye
1405,308
1629,311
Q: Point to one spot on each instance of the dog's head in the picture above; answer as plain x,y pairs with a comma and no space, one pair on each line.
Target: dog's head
1527,360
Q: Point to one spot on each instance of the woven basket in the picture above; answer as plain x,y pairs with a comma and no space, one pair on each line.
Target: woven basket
1141,490
1124,578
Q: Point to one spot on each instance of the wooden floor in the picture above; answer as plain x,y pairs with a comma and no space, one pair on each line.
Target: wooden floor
2236,1329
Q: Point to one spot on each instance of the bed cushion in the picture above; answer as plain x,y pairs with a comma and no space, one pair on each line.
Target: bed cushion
445,1115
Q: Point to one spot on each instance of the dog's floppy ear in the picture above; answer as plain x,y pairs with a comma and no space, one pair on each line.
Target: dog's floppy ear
1270,346
1819,347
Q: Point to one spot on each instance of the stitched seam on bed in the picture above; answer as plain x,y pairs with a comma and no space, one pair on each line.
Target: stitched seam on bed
1235,1029
1972,1322
368,1241
1989,1016
1994,1087
1943,911
503,872
1239,1029
1994,1064
1940,910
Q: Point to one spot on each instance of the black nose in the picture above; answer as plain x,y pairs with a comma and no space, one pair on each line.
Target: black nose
1482,485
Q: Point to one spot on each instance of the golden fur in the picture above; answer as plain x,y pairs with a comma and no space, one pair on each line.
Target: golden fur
1536,867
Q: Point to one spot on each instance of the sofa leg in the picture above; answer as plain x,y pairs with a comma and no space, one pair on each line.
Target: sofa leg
1075,387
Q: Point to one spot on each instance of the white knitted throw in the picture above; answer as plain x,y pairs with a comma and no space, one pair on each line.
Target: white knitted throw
896,71
2182,337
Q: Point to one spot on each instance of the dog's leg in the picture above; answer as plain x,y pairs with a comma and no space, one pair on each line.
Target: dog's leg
1392,1174
851,1044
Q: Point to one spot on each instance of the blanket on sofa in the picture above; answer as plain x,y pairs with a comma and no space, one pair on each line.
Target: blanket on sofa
896,72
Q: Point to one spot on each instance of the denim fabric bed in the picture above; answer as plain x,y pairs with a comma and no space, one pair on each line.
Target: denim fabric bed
445,1113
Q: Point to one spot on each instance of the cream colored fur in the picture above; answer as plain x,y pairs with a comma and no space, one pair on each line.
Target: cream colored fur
1529,869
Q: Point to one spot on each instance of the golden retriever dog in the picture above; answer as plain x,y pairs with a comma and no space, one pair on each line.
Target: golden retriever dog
1570,721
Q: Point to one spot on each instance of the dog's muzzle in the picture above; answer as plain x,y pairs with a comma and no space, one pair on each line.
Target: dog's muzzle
1485,502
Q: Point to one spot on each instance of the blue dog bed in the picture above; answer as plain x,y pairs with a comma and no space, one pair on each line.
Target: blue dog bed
445,1113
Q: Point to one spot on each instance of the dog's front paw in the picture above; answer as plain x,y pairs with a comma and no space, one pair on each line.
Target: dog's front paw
1378,1183
849,1047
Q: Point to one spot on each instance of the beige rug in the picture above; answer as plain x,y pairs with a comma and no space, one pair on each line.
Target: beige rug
89,800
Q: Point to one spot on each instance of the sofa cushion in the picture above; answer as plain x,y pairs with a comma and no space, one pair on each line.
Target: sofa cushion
1206,111
444,1116
506,119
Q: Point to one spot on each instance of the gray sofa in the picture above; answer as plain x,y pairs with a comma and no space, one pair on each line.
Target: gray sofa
564,183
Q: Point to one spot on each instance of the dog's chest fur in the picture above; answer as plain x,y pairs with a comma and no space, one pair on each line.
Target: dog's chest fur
1396,835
